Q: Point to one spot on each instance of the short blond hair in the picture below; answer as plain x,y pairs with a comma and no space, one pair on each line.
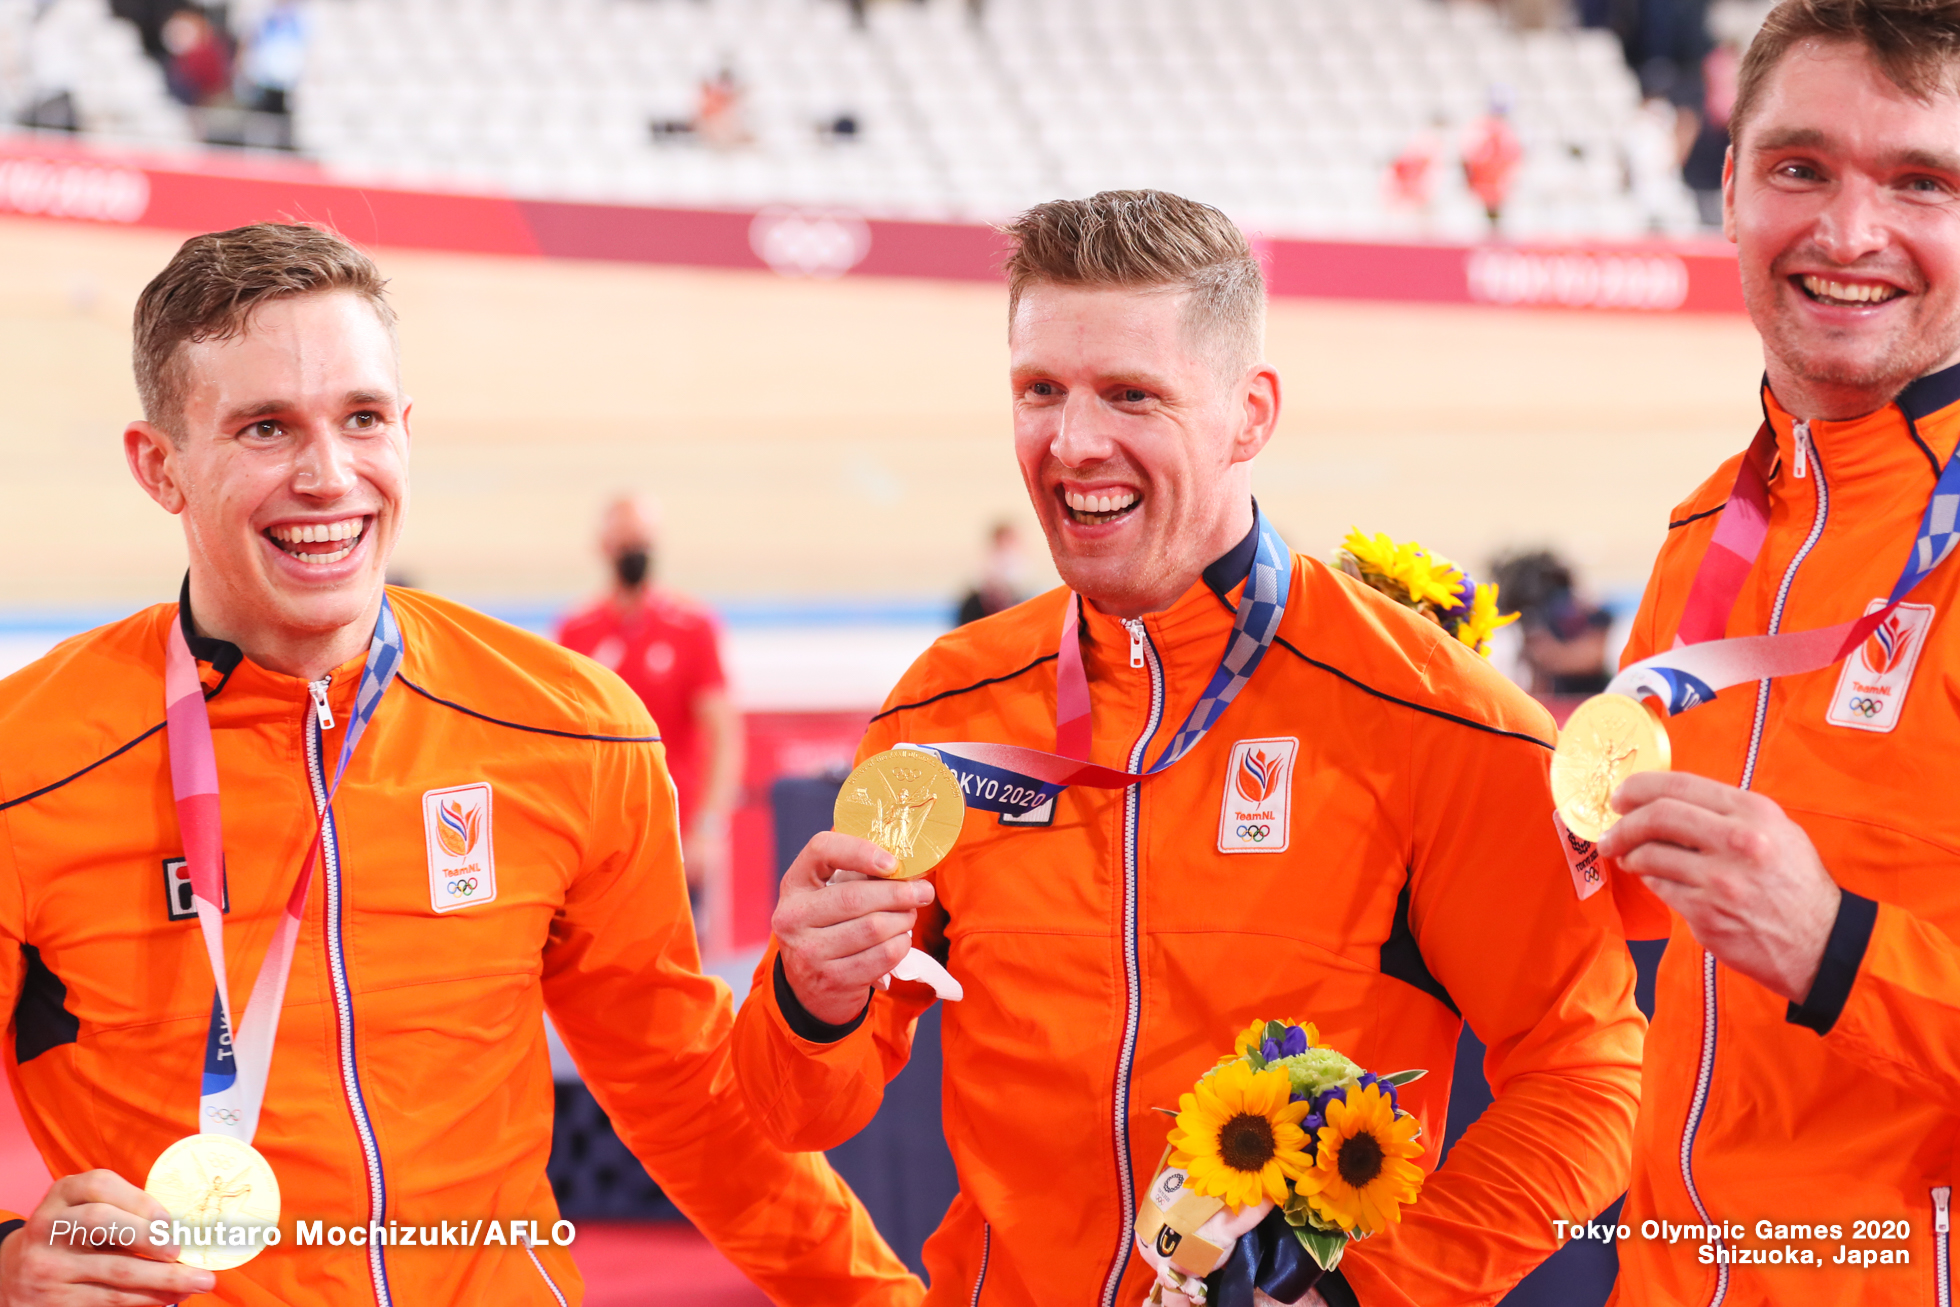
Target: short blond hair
1148,240
215,282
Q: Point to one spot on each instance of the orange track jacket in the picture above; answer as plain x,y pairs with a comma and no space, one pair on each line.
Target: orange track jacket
410,1084
1844,1111
1410,871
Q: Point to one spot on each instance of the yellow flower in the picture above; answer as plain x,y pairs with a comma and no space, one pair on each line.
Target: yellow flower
1376,553
1431,578
1406,572
1238,1137
1474,630
1363,1170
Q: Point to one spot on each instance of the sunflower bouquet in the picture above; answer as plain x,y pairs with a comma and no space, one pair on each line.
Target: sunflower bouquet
1283,1154
1426,582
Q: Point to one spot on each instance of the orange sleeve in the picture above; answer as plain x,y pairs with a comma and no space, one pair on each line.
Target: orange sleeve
13,963
812,1094
1545,981
651,1036
1887,997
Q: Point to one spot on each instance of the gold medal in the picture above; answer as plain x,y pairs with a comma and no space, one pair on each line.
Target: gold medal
1608,738
908,803
221,1188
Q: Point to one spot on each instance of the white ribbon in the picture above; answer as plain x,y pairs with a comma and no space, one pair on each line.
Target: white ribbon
915,965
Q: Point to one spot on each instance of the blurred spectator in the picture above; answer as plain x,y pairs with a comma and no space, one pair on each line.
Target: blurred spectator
1564,649
1003,577
1491,154
1412,176
720,115
149,17
199,68
1665,42
274,58
668,650
1703,167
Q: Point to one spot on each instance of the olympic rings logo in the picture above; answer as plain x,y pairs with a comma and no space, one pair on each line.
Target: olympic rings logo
1257,834
1865,707
463,887
230,1116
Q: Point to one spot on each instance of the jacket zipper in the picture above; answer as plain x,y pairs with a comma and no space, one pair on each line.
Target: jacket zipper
342,999
1806,455
321,708
549,1283
986,1255
1144,653
1942,1223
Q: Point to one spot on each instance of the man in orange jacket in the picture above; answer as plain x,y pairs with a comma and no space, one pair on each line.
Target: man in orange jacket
1364,838
503,844
1802,1091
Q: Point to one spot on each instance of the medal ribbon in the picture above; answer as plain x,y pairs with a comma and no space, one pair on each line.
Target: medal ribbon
1016,780
1702,663
236,1066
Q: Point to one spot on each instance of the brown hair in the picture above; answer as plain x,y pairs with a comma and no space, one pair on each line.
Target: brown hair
215,282
1916,43
1148,240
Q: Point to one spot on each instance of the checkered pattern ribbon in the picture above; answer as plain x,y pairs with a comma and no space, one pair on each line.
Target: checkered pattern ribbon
1701,663
236,1066
1016,780
1261,605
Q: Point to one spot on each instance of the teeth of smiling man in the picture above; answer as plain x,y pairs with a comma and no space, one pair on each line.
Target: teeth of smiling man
1115,503
1850,292
319,532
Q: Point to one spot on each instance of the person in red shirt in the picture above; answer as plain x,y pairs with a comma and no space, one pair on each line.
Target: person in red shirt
1491,156
667,648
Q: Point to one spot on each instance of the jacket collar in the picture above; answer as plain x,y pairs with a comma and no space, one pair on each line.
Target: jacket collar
1202,613
223,656
1911,436
254,689
1229,571
1930,393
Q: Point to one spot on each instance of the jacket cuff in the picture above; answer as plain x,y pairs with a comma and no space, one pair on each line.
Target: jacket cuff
1844,952
1333,1287
801,1023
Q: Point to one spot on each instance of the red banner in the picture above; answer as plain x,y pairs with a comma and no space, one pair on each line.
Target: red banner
52,179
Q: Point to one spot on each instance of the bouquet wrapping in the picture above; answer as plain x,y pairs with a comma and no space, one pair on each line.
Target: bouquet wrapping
1283,1154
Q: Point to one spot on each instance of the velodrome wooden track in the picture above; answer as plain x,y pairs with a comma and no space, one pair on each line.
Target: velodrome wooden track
850,438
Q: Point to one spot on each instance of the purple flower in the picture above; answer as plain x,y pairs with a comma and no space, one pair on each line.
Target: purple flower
1466,594
1320,1104
1291,1044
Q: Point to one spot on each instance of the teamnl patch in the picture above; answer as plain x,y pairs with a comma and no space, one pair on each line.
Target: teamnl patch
1871,690
462,859
1255,815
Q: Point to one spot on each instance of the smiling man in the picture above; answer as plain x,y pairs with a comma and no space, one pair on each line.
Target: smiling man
1803,1072
489,823
1363,829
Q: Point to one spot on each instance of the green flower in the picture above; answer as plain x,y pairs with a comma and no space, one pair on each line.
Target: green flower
1318,1070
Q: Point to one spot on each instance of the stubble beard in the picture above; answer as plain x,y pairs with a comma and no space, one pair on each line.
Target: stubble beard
1879,370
